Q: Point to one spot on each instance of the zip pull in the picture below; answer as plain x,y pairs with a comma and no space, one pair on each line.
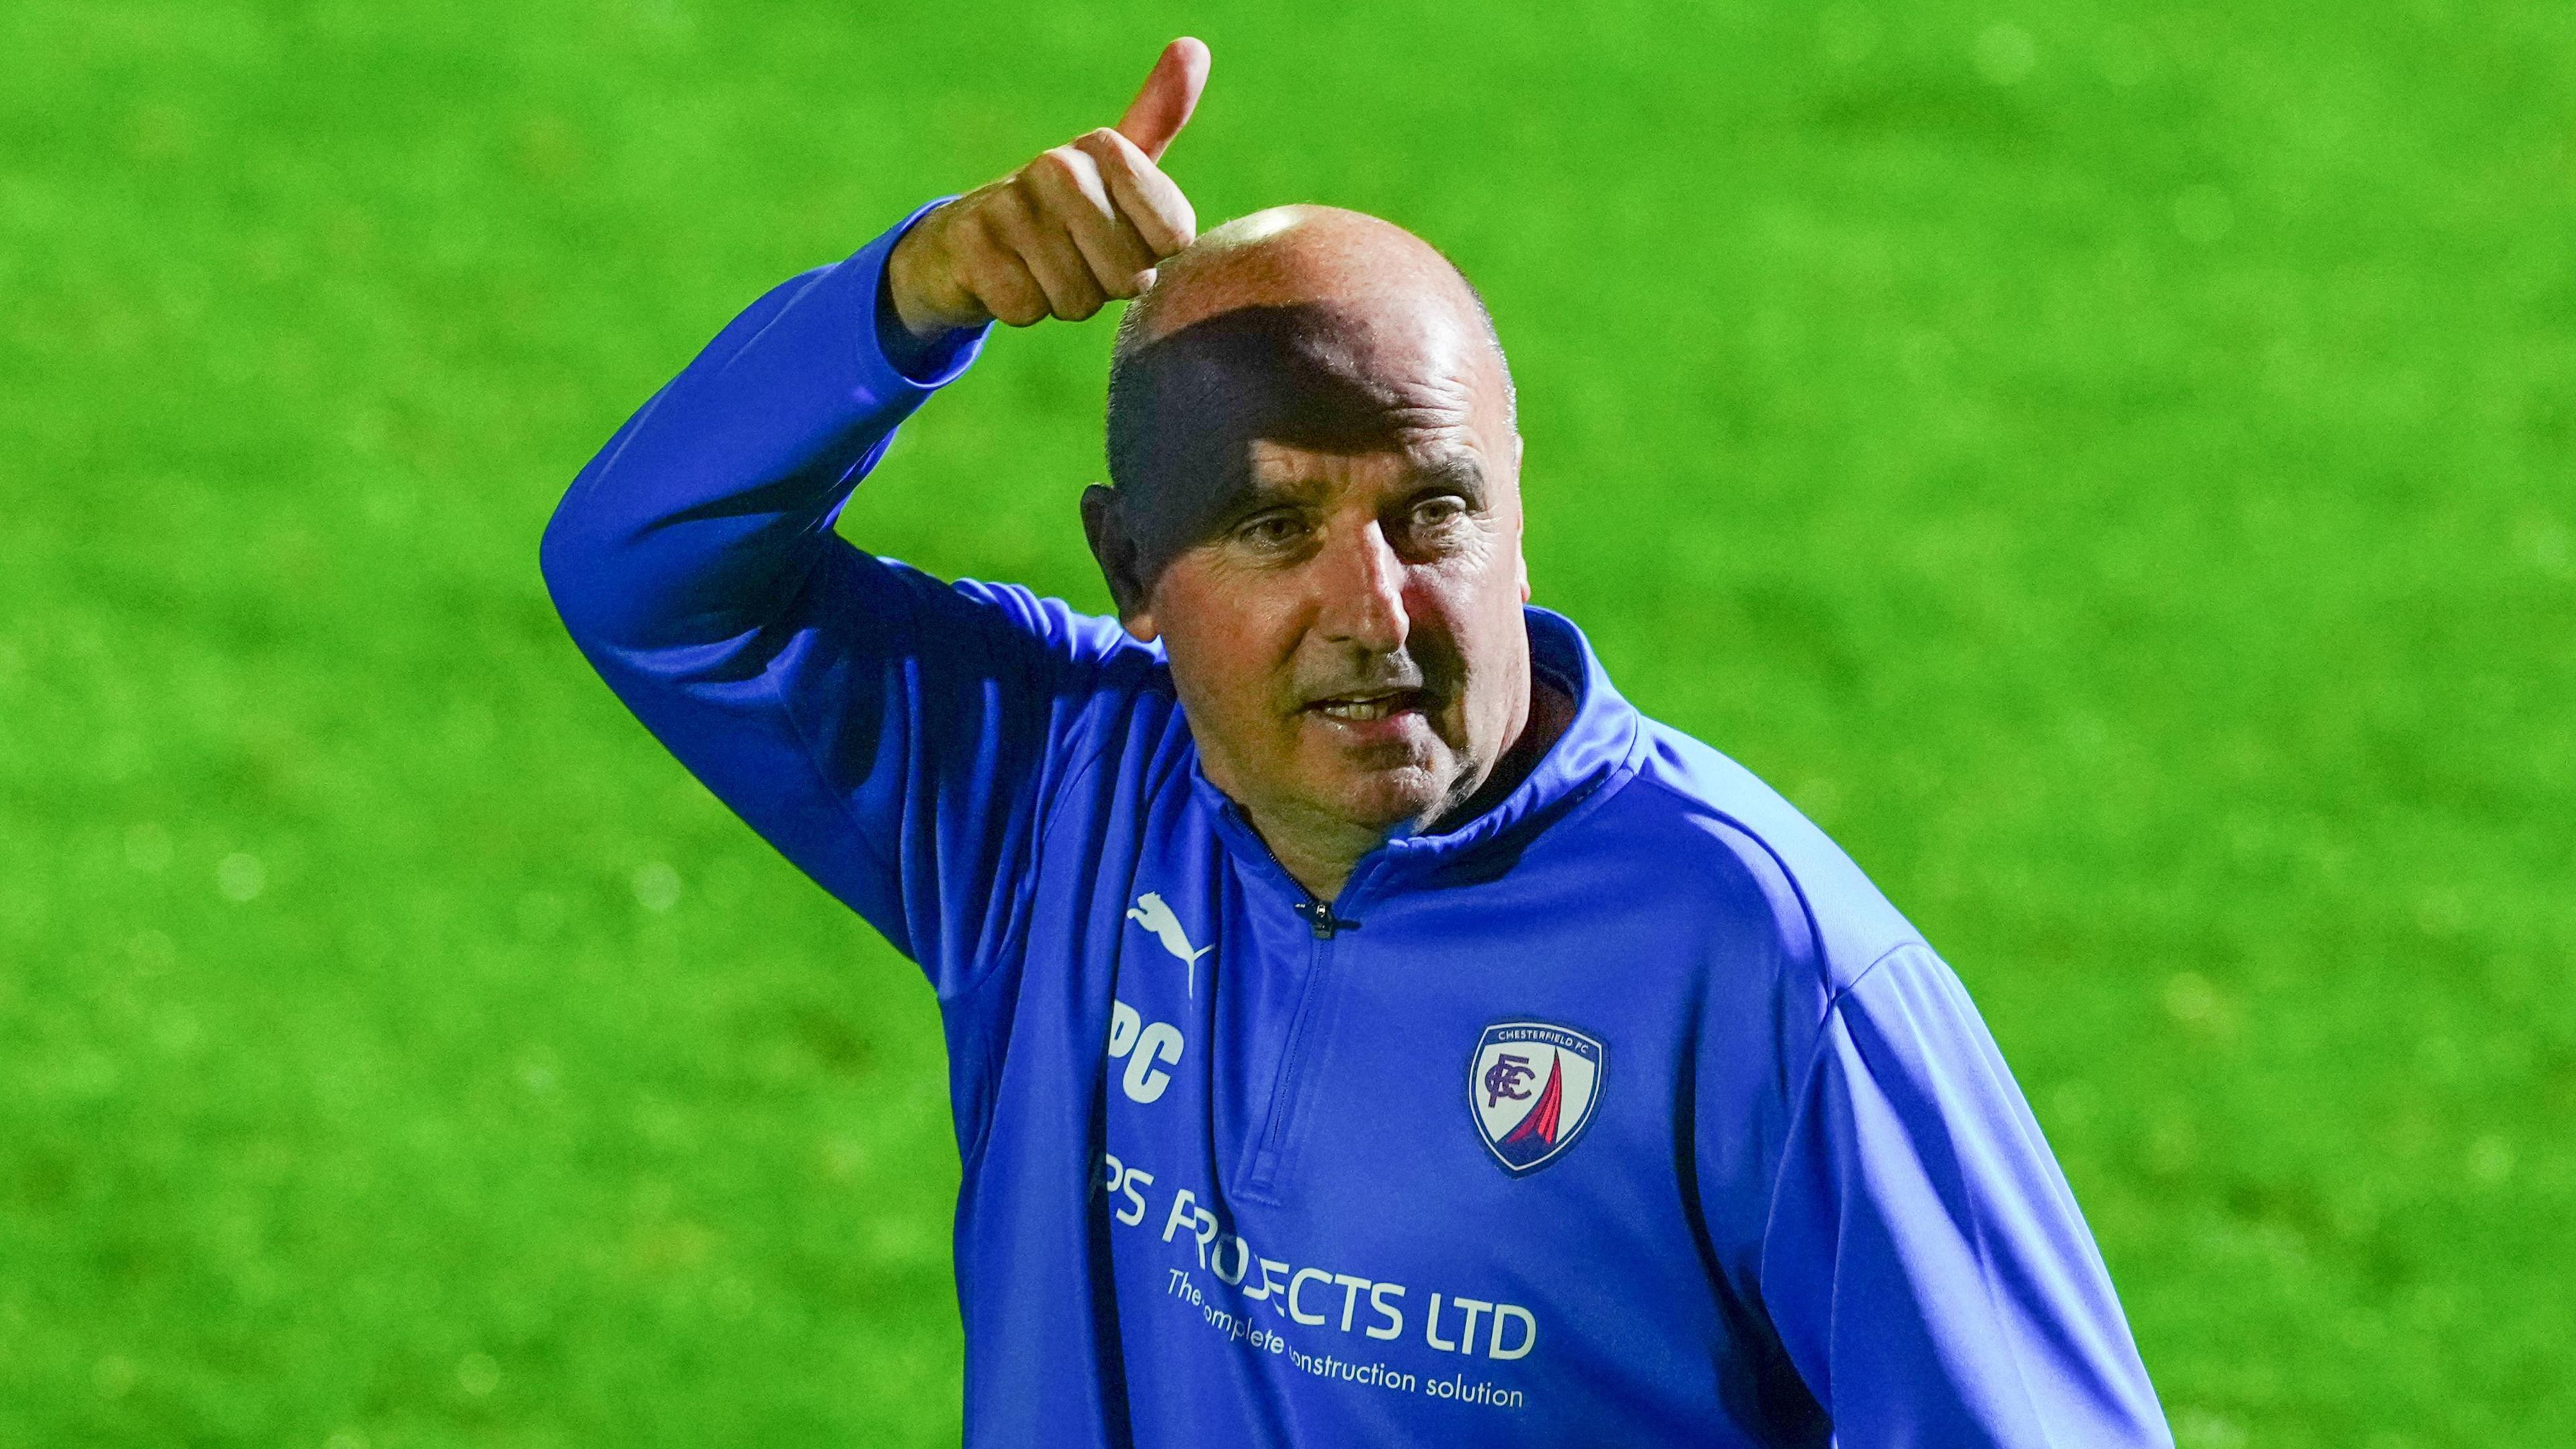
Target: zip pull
1321,920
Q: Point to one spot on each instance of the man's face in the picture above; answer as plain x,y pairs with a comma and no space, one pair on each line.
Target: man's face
1346,633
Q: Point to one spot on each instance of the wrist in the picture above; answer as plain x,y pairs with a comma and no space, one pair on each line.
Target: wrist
915,289
919,342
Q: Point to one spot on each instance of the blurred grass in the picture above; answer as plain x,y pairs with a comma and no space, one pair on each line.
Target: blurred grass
2110,465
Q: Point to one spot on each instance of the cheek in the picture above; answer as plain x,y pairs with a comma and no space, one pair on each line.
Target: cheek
1475,605
1224,642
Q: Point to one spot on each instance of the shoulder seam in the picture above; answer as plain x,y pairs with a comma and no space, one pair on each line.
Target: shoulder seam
1834,1001
1806,1086
1797,887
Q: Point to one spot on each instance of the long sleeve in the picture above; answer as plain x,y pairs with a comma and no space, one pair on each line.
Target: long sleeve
1925,1265
893,735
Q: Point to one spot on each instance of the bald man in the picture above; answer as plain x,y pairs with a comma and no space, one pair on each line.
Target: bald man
1364,1027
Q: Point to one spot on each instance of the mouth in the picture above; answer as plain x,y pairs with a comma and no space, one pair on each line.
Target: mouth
1370,706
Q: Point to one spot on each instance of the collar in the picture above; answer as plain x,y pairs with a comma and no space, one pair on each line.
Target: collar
1597,749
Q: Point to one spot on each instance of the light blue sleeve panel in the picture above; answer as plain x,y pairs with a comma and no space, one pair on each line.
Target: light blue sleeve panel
1925,1266
893,735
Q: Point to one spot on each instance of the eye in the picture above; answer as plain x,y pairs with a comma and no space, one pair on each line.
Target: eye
1435,523
1440,512
1271,530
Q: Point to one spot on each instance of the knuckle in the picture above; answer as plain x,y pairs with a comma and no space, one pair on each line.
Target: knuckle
973,211
1079,185
1018,228
1057,167
1105,146
992,229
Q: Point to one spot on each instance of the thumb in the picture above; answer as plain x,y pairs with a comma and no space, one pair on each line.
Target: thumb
1171,92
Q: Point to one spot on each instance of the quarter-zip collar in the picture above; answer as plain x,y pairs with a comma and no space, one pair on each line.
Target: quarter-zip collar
1597,751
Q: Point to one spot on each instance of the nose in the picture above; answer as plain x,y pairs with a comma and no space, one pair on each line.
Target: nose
1362,591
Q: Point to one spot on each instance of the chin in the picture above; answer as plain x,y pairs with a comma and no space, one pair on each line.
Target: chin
1390,799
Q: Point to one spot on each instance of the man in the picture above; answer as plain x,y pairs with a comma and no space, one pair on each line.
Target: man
1364,1028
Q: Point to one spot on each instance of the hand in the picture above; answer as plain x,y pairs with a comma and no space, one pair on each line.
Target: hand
1059,237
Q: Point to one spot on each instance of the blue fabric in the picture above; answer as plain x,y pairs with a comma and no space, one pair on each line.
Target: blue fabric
1232,1177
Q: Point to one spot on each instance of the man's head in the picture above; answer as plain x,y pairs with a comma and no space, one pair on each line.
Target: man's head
1317,510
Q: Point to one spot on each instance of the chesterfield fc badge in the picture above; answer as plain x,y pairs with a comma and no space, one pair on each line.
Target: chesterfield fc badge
1531,1086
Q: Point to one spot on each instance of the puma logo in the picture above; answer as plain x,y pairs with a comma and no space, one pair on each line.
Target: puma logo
1150,912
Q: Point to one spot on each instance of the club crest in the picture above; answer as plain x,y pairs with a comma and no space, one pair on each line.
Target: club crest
1531,1086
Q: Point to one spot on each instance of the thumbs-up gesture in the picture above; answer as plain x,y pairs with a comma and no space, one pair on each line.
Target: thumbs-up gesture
1078,225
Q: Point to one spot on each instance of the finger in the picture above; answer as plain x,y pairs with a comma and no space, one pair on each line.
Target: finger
997,279
1149,200
1072,194
1170,93
1071,291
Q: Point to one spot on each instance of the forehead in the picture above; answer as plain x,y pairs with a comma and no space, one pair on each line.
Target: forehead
1202,417
1275,469
1314,375
1277,462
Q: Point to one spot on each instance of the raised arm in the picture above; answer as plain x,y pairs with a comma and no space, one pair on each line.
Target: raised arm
889,733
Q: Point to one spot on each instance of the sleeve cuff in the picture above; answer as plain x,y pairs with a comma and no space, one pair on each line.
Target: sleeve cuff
925,365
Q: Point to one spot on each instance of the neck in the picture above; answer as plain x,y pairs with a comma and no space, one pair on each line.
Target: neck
1320,851
1317,854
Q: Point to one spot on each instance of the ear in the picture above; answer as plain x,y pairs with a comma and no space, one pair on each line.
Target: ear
1520,519
1121,562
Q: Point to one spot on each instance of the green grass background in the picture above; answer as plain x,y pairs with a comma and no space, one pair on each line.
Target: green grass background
2110,464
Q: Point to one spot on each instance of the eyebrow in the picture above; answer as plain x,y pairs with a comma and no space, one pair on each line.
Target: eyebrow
1253,491
1451,468
1455,468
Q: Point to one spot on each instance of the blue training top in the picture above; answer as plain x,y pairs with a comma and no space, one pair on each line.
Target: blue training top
1627,1113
